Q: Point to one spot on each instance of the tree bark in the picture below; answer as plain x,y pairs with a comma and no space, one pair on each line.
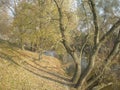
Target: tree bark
69,49
88,70
77,73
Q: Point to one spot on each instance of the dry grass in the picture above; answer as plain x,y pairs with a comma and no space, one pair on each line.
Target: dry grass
20,70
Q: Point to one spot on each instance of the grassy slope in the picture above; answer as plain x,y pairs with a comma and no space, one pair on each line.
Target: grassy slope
20,70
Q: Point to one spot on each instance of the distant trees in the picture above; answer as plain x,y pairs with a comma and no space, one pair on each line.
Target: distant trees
4,22
32,25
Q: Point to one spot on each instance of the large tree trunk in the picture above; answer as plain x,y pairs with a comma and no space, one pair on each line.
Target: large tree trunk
67,46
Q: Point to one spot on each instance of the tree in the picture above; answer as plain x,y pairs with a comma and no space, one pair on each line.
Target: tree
88,29
5,25
32,25
22,23
83,80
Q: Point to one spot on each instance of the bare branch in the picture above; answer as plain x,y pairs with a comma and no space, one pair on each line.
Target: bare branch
62,29
115,26
83,46
56,4
108,59
85,75
61,3
88,70
95,21
114,50
101,86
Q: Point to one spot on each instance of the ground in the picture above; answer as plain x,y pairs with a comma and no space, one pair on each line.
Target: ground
21,70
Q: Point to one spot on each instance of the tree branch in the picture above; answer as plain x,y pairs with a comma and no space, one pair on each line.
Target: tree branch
87,72
116,25
62,29
103,85
83,46
95,21
108,59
